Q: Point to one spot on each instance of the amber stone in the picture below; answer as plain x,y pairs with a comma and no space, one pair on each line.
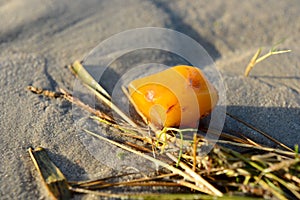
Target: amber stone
177,97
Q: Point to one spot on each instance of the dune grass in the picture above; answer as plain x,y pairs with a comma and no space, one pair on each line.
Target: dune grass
224,172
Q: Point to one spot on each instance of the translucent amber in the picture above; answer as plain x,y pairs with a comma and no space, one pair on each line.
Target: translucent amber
177,97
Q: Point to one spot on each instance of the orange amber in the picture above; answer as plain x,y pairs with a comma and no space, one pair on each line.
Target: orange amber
178,96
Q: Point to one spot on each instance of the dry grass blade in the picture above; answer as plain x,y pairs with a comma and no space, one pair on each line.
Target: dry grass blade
97,90
86,107
46,93
195,145
264,185
272,177
256,59
86,78
250,146
261,132
252,62
198,179
99,183
170,196
54,180
226,136
148,181
102,194
67,96
156,161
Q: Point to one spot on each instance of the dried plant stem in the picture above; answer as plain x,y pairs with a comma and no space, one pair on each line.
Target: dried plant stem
149,181
112,106
87,79
271,176
103,194
158,162
54,180
78,69
256,59
67,96
270,53
198,179
225,136
46,93
265,186
160,196
86,107
127,131
252,62
267,149
100,182
195,144
259,131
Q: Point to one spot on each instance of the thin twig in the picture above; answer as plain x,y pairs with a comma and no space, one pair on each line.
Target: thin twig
198,179
86,107
67,96
112,106
252,62
78,69
148,181
156,161
267,149
259,131
195,144
256,59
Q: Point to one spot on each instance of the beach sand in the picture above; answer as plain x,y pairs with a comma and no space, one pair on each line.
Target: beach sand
38,38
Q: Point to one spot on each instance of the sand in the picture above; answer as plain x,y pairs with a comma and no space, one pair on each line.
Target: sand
38,38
